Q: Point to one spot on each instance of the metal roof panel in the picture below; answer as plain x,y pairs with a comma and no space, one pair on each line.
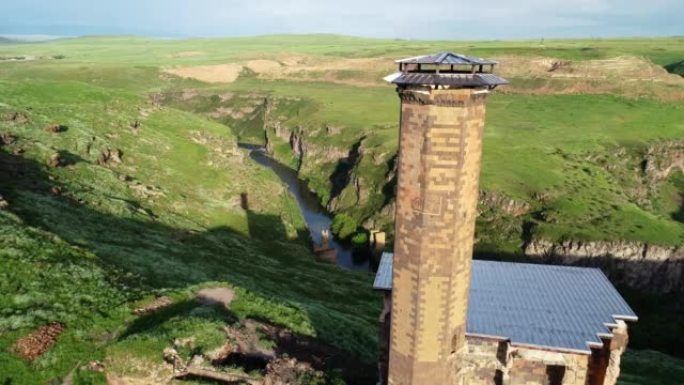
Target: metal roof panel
447,79
446,58
556,307
383,278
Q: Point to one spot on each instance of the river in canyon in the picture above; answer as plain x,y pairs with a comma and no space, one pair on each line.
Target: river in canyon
316,217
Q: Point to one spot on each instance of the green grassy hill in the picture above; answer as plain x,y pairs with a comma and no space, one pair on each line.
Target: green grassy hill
146,198
87,241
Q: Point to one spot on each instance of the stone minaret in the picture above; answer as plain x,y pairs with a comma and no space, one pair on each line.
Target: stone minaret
442,118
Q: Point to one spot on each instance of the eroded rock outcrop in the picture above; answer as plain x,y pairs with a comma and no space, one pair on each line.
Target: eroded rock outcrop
649,268
493,199
223,152
109,156
6,139
16,117
662,159
56,160
293,137
55,128
296,143
3,203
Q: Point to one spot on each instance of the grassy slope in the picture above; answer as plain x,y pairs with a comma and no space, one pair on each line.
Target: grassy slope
96,90
189,236
540,145
649,367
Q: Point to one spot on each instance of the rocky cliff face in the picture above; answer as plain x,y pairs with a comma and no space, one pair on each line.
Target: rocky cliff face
294,137
662,159
330,170
649,268
510,206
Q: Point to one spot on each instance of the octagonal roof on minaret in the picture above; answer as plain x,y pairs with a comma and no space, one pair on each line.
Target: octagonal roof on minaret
446,69
448,58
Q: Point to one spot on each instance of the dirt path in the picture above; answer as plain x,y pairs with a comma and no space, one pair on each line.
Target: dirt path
216,295
219,73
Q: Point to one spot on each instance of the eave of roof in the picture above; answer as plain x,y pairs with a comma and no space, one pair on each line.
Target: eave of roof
446,79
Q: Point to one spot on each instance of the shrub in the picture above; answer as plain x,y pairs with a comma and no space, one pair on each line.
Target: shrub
343,226
87,377
360,240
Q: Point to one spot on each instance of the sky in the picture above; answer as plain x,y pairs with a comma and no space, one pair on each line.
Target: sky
426,19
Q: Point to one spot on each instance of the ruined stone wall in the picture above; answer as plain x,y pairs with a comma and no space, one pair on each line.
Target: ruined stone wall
493,362
525,372
485,361
439,166
617,346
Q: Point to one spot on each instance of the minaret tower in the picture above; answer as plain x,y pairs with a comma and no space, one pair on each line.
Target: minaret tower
442,119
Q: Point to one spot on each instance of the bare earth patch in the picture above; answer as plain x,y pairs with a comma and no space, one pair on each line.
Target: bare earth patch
132,369
218,73
155,376
154,306
323,68
625,68
264,66
624,75
216,295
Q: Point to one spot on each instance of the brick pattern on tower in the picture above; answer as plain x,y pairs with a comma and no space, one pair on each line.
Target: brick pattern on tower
439,165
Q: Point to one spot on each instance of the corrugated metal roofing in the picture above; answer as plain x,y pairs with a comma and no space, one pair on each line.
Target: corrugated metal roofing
383,277
447,79
555,307
447,58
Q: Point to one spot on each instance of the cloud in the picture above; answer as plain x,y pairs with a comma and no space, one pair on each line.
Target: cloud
382,18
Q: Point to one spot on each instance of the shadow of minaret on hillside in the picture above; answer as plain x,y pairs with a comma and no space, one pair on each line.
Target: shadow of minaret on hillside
679,215
263,226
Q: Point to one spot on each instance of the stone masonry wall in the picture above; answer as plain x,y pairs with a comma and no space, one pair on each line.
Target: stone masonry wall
439,166
618,345
526,372
492,362
485,361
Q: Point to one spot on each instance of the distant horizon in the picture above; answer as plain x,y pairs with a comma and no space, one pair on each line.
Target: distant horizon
384,19
31,37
